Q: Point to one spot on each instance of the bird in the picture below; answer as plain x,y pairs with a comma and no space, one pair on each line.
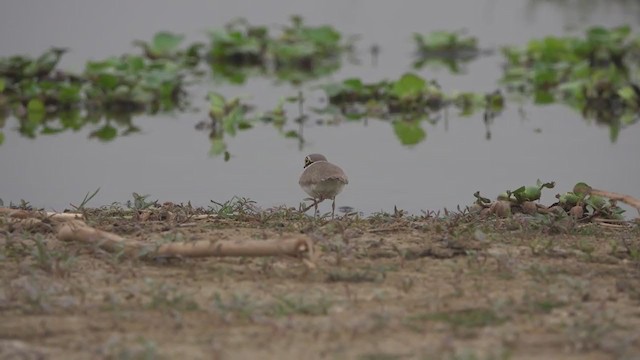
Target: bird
322,180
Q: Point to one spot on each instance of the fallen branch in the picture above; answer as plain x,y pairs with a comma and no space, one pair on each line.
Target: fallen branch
80,232
24,214
627,199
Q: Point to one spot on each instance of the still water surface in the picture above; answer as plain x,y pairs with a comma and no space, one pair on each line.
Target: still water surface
170,159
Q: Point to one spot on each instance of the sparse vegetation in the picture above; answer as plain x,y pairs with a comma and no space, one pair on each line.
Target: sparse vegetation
447,275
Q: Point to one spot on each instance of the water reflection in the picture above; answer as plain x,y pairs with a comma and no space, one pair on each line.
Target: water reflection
428,161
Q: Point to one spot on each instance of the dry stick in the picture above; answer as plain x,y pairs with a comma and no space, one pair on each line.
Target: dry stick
79,231
293,247
23,214
627,199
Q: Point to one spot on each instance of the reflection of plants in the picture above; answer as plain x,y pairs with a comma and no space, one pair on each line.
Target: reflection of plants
48,101
597,75
445,48
165,45
406,101
297,54
227,117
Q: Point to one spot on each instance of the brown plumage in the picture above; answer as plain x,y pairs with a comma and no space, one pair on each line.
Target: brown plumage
322,180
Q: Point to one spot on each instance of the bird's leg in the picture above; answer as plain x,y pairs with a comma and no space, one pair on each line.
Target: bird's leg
315,208
333,207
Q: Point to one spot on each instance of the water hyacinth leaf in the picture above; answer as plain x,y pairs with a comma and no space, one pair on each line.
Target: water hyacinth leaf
1,137
36,112
543,97
291,134
70,94
231,121
435,39
3,82
409,85
323,35
217,147
217,104
628,118
353,84
165,42
35,107
135,63
46,130
108,81
629,95
409,132
71,119
105,133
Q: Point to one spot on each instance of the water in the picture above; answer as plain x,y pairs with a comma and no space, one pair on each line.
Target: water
170,159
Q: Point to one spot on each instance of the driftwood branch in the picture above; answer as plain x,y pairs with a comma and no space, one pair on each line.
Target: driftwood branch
24,214
627,199
80,232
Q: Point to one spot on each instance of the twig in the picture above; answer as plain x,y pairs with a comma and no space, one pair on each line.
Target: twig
627,199
23,214
81,232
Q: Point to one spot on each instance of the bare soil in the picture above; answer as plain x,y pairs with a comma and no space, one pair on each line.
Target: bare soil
384,287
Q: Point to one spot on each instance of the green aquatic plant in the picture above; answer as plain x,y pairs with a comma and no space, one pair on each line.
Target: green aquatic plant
582,204
132,83
295,53
445,48
47,100
406,102
408,95
526,193
166,45
596,74
227,117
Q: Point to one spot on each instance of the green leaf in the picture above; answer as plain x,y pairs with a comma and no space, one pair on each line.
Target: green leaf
542,97
614,131
135,63
628,95
165,42
69,94
231,121
291,134
217,147
108,81
409,85
353,84
1,137
105,133
35,106
3,82
409,133
35,110
217,104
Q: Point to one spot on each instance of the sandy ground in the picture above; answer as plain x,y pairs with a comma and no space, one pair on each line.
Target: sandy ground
384,287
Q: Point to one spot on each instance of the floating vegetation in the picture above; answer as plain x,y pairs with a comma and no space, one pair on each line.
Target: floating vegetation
445,48
582,204
405,101
229,116
296,54
166,45
597,74
47,100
